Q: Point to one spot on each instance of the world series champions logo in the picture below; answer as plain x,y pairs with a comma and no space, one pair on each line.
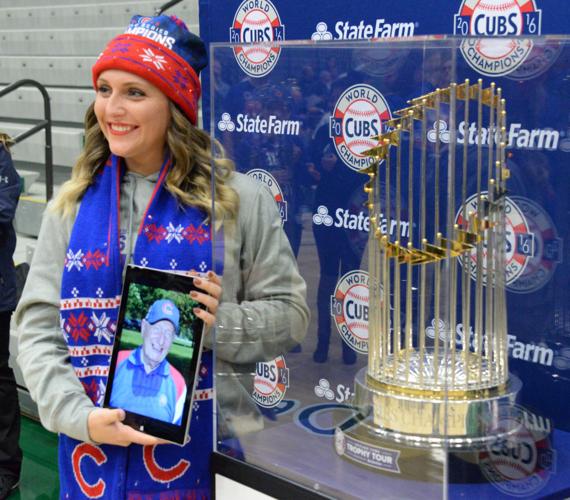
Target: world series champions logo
270,382
257,22
519,241
358,115
349,308
266,178
521,464
496,18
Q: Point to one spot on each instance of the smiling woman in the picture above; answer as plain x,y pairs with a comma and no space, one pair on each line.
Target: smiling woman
133,115
140,194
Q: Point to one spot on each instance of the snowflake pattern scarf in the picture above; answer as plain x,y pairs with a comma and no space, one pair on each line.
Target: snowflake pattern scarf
169,237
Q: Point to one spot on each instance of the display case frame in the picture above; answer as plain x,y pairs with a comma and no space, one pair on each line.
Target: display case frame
279,125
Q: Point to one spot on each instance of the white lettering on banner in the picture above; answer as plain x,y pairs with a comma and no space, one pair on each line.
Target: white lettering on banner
272,125
255,4
530,352
525,351
380,29
517,136
359,222
257,125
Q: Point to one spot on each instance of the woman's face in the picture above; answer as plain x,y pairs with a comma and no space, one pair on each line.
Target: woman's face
134,116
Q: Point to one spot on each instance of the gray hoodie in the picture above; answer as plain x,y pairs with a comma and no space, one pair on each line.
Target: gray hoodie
263,312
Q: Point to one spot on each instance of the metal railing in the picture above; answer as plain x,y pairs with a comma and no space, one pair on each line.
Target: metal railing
166,6
44,124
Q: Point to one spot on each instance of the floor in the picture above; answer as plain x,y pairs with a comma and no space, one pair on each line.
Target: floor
39,479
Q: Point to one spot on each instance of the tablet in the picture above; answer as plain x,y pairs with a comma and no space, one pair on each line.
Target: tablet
156,353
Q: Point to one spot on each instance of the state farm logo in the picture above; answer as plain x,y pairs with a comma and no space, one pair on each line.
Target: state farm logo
266,178
358,115
257,22
518,137
344,218
524,351
345,30
519,241
257,125
324,390
349,308
496,18
270,382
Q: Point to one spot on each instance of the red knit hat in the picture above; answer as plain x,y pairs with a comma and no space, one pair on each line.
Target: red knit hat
161,50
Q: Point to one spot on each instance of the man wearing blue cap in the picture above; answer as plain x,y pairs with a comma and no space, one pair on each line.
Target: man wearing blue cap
145,382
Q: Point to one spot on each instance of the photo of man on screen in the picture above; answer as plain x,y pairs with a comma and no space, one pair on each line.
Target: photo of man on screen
145,382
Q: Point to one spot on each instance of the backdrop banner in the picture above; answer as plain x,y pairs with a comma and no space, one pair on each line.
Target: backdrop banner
297,118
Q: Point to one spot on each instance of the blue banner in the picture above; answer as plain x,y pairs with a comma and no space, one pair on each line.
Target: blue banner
298,123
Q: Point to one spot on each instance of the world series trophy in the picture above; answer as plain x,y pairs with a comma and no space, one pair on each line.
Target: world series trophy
437,371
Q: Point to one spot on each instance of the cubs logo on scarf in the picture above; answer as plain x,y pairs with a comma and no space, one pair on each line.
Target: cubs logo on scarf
170,237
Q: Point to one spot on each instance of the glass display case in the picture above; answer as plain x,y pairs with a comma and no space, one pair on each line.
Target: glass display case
397,316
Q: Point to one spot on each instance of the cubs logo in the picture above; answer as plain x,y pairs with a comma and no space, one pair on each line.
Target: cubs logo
266,178
547,247
521,463
270,382
358,115
162,474
257,22
349,308
520,242
496,18
97,455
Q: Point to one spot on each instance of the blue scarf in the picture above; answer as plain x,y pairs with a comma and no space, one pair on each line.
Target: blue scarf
170,237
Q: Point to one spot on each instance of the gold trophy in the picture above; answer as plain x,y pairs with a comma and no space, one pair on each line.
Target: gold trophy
437,371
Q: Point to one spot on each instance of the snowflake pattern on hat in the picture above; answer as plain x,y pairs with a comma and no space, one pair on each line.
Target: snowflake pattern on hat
162,51
149,56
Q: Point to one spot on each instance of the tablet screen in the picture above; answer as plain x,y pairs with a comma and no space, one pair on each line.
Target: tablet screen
156,353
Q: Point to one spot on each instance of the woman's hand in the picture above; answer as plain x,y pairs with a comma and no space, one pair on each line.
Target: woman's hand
210,297
106,427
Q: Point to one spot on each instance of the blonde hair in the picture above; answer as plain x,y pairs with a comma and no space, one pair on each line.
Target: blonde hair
6,140
189,179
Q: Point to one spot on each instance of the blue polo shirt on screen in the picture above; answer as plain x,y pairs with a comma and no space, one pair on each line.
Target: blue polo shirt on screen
159,394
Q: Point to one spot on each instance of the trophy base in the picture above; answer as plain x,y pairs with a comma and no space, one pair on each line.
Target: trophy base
432,420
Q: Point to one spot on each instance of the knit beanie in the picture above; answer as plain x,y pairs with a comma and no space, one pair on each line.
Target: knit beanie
161,50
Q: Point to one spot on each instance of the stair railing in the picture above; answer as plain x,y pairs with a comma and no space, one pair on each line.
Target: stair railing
44,124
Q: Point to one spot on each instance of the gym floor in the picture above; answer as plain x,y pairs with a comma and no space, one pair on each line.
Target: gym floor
39,479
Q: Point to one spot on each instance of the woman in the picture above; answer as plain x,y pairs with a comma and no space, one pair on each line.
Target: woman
140,193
